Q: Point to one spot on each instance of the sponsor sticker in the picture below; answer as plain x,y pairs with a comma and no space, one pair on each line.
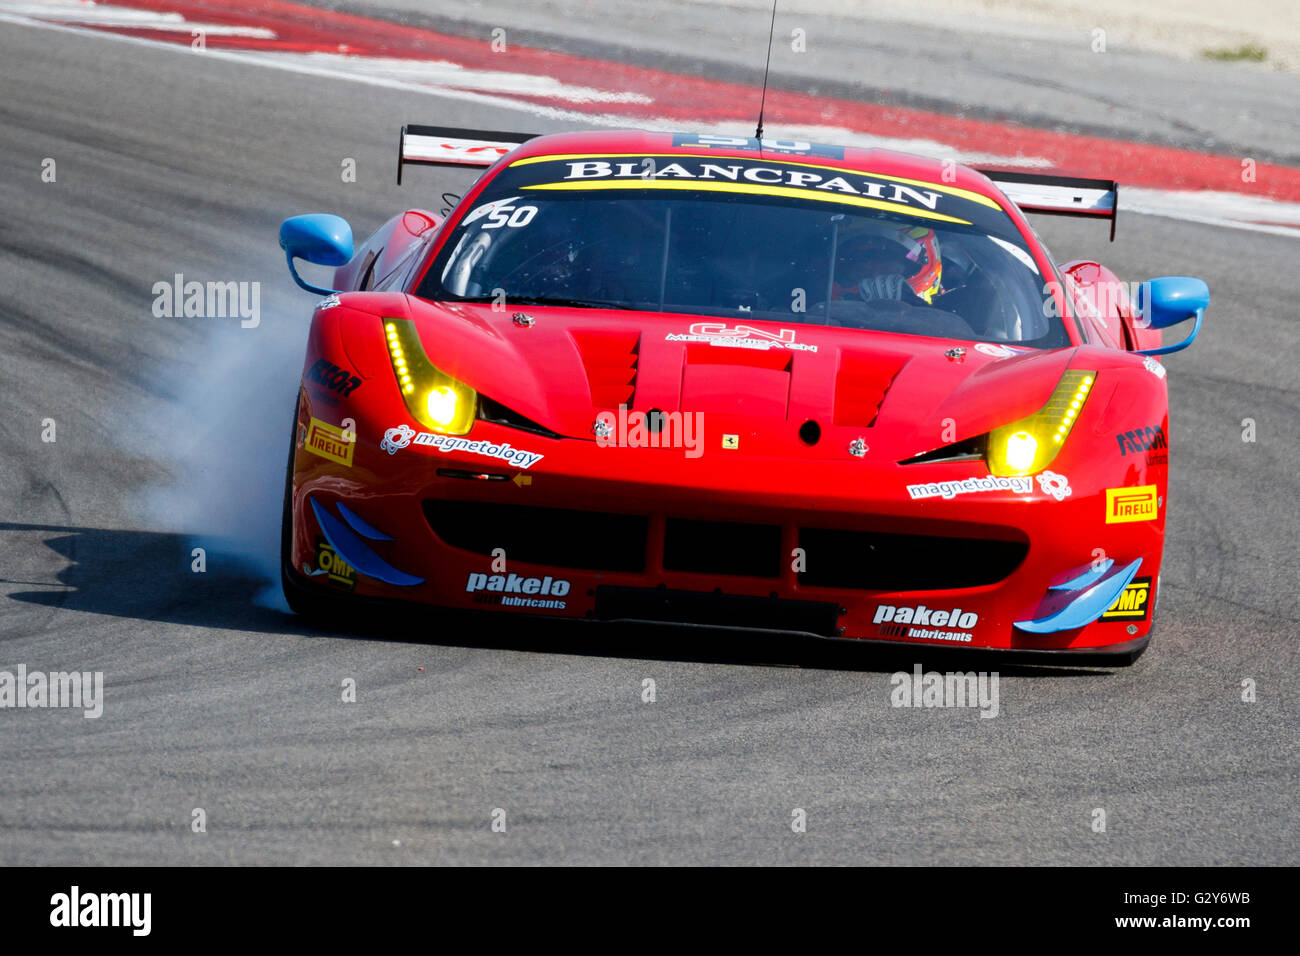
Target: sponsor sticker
1133,604
950,489
329,441
1058,486
1154,367
925,633
397,438
1150,440
1138,503
918,621
515,590
502,451
741,337
333,378
330,564
400,436
787,179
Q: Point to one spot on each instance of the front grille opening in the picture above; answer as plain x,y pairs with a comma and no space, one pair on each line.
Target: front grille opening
588,540
722,547
972,449
498,414
873,561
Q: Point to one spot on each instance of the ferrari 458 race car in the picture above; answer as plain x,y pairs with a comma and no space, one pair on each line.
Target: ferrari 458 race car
756,384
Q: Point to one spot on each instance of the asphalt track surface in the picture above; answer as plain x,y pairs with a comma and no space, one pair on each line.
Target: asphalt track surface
169,162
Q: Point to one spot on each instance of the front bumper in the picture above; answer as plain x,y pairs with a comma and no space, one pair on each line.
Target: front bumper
835,548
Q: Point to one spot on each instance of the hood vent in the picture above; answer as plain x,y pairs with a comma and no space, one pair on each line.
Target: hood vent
861,383
610,359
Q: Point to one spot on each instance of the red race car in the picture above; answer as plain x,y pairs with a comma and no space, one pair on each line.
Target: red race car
735,382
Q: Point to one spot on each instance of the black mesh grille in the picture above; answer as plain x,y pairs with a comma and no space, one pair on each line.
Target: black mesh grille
868,560
590,540
722,547
835,558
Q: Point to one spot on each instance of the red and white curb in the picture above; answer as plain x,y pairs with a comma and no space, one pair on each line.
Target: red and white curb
1229,191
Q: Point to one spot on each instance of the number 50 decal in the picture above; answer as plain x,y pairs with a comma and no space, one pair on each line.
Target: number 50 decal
511,216
502,212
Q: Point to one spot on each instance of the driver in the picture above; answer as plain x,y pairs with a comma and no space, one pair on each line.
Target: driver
879,261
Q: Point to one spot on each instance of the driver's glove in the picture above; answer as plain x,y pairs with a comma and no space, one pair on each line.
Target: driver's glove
884,287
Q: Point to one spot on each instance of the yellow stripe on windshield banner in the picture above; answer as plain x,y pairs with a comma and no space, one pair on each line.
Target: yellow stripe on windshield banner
786,192
714,158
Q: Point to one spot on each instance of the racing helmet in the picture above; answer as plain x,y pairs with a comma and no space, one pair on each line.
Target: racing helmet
877,249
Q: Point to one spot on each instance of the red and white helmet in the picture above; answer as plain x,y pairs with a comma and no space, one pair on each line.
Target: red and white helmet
883,248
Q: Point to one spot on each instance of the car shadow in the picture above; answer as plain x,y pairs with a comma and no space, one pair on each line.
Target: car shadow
148,576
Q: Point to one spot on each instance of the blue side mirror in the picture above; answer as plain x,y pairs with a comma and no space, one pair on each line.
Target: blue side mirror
1167,301
319,238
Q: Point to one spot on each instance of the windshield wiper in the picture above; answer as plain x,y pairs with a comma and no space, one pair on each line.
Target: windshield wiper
547,300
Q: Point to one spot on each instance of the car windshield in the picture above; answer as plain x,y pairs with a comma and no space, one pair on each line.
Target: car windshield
761,239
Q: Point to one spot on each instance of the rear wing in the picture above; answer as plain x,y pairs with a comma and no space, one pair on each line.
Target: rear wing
1060,195
448,146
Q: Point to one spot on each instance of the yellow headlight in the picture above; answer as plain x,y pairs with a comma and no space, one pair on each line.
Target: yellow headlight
1030,445
1021,450
442,405
436,400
